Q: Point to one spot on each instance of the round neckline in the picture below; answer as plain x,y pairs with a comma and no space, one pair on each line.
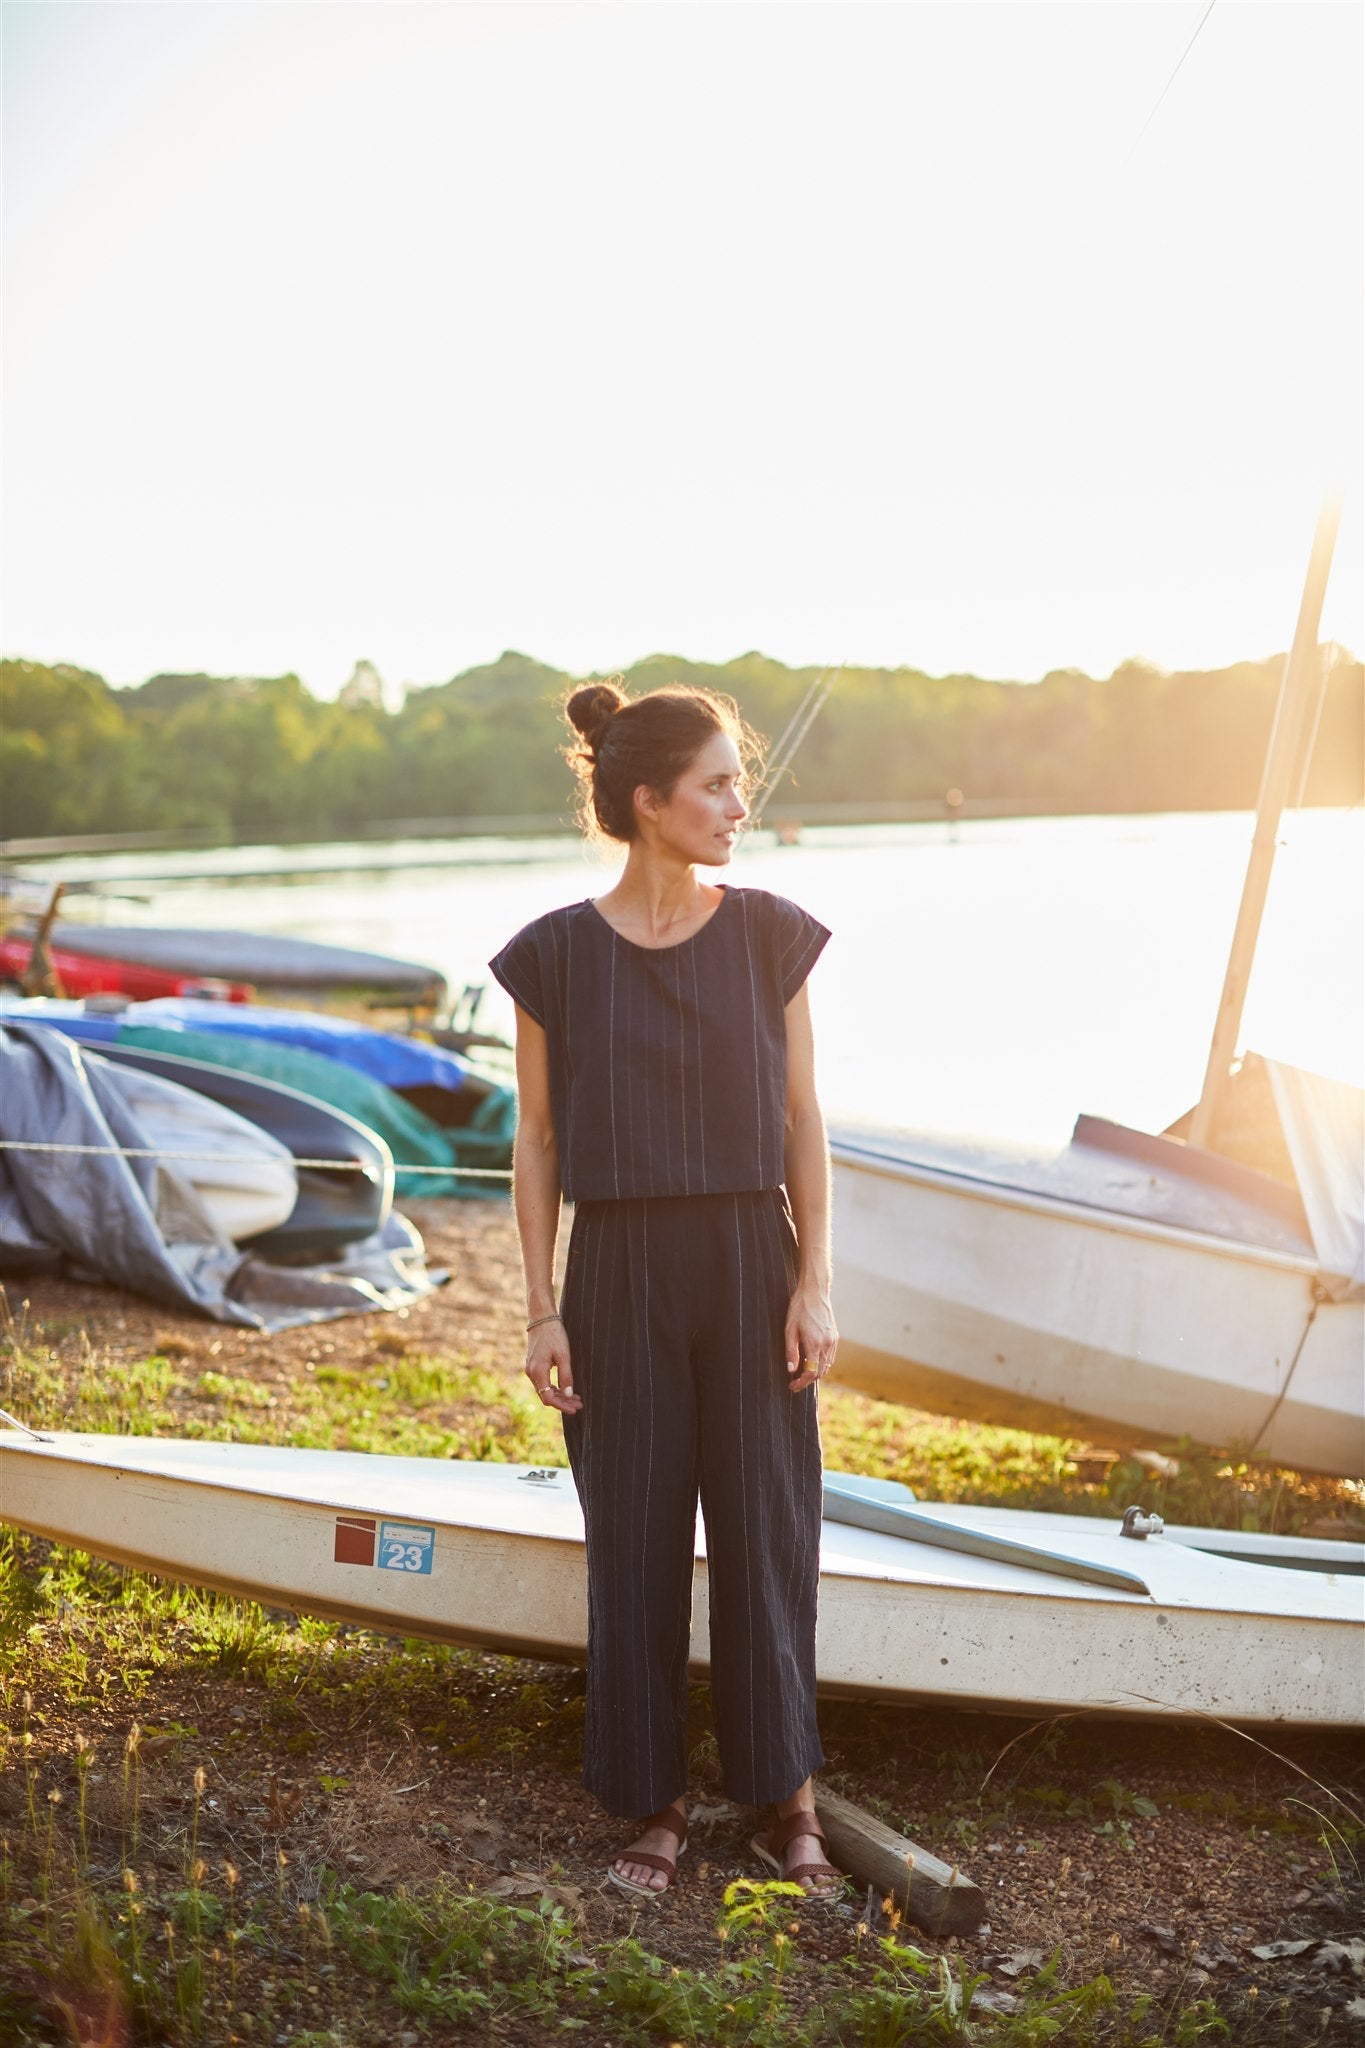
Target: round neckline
676,945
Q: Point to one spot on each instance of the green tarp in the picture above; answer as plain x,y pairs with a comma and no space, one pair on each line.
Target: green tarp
413,1138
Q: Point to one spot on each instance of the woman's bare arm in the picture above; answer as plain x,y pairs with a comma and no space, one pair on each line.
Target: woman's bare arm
811,1334
535,1197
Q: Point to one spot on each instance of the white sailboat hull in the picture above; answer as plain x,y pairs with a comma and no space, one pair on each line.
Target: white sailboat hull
995,1303
492,1555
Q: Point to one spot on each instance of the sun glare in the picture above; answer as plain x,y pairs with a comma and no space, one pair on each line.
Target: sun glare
888,331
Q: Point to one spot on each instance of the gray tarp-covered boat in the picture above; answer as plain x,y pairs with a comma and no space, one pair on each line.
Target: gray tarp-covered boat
142,1222
269,960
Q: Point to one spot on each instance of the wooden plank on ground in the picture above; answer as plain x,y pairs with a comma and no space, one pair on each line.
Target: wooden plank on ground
935,1895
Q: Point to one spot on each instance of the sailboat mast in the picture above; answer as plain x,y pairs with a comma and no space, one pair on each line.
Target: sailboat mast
1297,687
798,725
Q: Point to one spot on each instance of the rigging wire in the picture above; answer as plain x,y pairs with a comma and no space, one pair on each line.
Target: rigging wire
1319,1296
784,753
1169,83
776,764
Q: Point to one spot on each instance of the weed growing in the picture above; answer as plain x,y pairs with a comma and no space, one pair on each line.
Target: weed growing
965,1461
409,1407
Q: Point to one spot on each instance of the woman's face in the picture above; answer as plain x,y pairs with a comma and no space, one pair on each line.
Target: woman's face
700,821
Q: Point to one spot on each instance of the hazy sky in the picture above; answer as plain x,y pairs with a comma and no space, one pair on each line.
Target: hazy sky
420,331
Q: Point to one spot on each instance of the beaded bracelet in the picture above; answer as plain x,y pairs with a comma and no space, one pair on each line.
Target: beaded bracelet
553,1317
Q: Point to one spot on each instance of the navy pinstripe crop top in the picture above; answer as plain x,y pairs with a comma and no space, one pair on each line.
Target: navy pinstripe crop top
668,1065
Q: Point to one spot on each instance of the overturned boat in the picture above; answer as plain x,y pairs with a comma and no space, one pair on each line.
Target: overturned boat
448,1127
263,959
84,974
194,1185
434,1079
993,1610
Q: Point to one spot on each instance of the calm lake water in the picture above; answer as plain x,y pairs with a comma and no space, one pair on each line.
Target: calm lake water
998,976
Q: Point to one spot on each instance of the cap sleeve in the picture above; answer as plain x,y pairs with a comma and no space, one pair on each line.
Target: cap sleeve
517,969
801,939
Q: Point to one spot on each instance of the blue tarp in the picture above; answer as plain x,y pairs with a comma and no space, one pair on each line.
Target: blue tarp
384,1055
334,1061
413,1138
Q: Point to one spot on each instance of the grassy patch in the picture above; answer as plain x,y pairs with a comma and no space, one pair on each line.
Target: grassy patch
190,1953
1010,1468
414,1407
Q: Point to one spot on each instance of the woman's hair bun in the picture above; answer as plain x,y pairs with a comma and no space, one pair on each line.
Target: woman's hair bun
590,709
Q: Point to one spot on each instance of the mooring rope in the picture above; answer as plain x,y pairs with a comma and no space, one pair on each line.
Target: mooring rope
241,1158
1320,1295
1160,98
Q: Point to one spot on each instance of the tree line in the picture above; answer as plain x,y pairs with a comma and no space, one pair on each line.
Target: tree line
254,758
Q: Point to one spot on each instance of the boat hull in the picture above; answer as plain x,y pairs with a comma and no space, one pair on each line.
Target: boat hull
337,1203
262,959
497,1561
82,974
994,1304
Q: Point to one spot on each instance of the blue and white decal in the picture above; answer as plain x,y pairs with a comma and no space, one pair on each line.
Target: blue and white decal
405,1547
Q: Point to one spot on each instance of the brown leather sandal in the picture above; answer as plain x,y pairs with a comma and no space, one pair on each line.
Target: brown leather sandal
669,1820
825,1882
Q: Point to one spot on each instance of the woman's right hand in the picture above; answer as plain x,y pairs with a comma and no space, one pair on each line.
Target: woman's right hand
547,1360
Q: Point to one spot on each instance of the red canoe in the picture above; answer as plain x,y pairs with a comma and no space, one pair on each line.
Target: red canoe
84,974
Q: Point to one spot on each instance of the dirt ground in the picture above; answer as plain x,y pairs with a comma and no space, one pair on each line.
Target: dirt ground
477,1312
1169,1858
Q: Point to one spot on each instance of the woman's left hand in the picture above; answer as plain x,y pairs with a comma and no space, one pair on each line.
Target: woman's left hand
812,1339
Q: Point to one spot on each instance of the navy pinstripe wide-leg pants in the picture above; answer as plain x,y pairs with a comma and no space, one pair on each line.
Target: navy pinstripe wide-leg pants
675,1309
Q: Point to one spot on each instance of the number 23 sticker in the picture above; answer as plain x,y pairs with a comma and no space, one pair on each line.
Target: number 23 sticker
405,1547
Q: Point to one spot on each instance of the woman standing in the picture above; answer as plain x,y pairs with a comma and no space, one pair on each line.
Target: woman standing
665,1070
